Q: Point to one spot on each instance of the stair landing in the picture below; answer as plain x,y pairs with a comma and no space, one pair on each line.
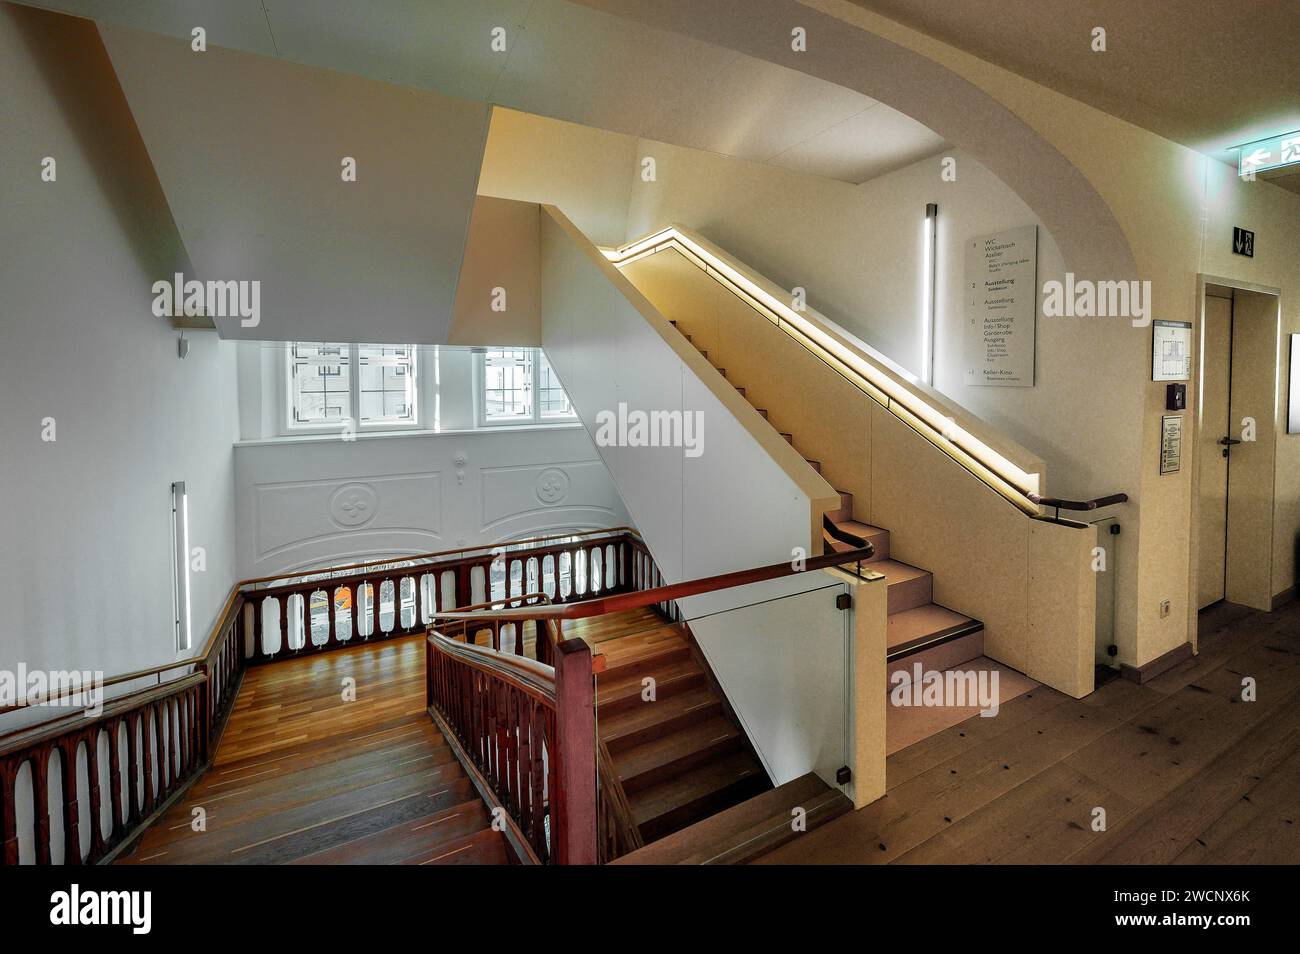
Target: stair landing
303,777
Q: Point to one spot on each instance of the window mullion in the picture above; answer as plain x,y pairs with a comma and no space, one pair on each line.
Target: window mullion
354,386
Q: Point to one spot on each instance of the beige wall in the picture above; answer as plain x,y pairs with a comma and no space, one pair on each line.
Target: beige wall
1094,415
585,172
500,253
1177,209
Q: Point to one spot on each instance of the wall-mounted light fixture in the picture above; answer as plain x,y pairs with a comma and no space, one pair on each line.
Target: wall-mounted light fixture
181,563
927,291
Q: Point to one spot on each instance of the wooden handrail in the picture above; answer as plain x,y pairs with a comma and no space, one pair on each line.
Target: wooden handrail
336,576
343,570
641,598
1093,504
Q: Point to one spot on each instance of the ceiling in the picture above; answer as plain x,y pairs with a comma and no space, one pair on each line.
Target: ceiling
566,61
1210,74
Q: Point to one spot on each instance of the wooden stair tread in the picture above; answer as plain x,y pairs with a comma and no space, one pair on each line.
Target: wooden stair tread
754,826
923,624
670,754
642,650
670,674
686,792
486,847
418,837
896,572
638,724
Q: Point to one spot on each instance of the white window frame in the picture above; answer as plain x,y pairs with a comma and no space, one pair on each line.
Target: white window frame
290,427
480,394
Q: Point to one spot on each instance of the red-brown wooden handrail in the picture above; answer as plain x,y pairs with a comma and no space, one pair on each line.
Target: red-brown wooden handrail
709,584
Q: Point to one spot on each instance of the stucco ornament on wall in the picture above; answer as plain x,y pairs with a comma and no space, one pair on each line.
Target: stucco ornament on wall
354,505
552,485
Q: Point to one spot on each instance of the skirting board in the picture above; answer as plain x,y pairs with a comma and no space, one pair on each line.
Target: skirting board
1158,666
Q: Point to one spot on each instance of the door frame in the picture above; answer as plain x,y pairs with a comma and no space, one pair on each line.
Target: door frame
1204,280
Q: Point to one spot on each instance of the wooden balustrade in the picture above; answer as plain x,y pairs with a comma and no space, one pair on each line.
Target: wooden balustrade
80,787
380,601
617,834
477,695
523,731
117,768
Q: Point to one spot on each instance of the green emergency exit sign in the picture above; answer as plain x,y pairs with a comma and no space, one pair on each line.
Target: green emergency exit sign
1266,154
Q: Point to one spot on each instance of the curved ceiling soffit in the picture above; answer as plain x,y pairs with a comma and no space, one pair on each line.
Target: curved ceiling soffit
1085,229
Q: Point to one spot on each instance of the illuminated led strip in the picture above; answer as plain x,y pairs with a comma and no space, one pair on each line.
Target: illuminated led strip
983,461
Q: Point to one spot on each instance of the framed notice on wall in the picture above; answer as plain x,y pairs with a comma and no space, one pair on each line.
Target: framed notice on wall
1293,403
1171,350
1171,443
1001,308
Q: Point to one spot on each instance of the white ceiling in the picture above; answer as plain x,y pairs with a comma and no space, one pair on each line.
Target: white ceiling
566,61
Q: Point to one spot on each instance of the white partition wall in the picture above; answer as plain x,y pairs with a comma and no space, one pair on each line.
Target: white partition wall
782,651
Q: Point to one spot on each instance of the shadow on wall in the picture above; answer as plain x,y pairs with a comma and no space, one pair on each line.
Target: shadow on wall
75,66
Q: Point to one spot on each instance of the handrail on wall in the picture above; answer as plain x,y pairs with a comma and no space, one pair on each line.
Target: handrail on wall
986,463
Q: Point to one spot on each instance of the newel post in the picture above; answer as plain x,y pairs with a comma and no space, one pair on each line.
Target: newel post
575,711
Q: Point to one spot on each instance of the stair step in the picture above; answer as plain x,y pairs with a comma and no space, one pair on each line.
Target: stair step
740,391
670,805
485,847
924,624
845,511
642,653
660,759
789,438
671,675
815,465
653,720
762,412
877,537
747,830
422,836
950,652
909,586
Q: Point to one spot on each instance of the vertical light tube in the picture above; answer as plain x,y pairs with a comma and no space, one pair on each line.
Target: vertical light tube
927,292
181,576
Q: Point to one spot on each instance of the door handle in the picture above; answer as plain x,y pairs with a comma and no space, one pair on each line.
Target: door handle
1228,441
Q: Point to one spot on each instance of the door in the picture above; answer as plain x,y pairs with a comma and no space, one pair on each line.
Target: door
1213,457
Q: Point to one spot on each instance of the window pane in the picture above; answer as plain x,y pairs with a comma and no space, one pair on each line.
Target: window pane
508,384
550,395
319,380
388,392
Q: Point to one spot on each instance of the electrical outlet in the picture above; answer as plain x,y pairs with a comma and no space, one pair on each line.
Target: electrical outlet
1164,608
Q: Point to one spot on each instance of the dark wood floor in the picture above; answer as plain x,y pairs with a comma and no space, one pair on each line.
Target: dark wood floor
303,776
1186,771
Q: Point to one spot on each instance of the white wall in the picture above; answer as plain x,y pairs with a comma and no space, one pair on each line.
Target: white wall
422,493
427,490
86,561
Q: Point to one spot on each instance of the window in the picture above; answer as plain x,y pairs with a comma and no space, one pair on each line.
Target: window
331,385
519,386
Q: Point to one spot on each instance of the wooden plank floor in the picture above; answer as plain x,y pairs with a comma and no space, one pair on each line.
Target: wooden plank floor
1185,770
303,776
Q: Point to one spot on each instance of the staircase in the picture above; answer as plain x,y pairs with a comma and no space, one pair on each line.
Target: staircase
679,755
920,630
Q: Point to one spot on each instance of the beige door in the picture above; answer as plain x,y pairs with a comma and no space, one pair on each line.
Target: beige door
1216,384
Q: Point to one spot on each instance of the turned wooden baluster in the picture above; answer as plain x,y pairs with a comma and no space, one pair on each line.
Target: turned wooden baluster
9,768
67,750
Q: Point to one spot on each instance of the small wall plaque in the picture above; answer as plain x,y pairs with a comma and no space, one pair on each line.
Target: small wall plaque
1171,443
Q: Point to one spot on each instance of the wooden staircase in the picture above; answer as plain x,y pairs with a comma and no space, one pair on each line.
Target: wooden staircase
920,630
677,751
